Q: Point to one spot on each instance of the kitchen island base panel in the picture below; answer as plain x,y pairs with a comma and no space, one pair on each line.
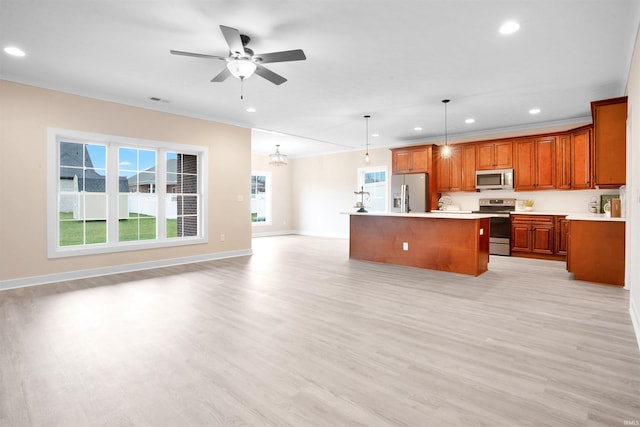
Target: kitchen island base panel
453,245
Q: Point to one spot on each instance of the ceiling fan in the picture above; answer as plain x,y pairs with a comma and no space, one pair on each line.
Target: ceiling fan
242,62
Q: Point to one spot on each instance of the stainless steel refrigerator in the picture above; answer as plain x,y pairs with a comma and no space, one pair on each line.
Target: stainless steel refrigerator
410,193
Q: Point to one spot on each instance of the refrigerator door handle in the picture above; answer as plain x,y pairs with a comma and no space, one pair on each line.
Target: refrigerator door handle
403,198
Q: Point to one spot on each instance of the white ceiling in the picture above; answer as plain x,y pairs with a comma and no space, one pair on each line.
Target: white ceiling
393,60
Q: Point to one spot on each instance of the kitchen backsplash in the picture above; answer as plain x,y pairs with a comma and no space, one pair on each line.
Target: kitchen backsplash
574,201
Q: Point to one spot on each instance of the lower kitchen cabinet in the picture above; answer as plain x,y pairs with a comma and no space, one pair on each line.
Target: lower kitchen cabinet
538,236
532,234
561,225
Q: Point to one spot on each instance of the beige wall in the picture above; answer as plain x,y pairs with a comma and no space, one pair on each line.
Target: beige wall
25,114
323,187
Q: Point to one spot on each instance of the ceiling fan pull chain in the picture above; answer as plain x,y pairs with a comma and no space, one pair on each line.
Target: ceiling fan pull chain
241,88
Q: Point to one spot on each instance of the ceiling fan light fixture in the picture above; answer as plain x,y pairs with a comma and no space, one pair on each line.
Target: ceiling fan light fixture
241,68
277,158
509,27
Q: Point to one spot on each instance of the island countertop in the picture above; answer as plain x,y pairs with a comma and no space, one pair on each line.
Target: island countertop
439,214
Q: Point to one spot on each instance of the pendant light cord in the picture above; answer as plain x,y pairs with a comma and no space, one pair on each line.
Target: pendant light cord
446,135
366,155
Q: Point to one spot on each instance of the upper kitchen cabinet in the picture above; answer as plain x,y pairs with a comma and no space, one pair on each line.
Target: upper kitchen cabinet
494,155
468,167
609,141
535,164
581,159
573,159
563,161
449,170
457,172
416,159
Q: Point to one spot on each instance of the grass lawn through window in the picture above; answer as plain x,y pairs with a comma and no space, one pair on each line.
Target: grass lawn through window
137,227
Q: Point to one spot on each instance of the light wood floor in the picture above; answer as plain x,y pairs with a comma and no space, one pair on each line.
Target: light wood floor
299,335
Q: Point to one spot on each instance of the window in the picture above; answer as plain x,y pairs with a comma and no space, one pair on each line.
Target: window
108,194
374,181
184,195
82,194
138,203
261,198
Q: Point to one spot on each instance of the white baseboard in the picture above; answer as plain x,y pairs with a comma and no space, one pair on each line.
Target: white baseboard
635,319
273,233
299,233
316,234
103,271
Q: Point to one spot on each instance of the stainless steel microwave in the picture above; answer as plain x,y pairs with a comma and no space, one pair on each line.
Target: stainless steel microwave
499,179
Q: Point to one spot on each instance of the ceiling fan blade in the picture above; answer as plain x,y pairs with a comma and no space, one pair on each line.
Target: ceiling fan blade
232,36
222,76
289,55
196,55
265,73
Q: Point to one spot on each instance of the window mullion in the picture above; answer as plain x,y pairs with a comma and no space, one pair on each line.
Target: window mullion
161,192
113,193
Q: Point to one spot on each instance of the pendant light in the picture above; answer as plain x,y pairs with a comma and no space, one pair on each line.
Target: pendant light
446,150
366,155
277,158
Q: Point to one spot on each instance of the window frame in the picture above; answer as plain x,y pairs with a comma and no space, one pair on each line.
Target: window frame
56,135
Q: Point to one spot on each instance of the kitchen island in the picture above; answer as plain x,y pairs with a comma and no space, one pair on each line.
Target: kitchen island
458,243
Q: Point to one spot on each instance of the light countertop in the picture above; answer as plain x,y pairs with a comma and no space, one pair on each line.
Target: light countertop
537,213
453,211
592,217
432,214
576,216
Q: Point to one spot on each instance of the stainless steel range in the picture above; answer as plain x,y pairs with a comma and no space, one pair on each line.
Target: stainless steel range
500,232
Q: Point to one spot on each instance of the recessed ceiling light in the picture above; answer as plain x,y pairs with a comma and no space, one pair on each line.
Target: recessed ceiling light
417,128
469,121
375,135
509,27
534,111
14,51
250,110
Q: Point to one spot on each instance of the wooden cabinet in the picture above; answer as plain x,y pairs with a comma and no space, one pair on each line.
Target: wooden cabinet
561,226
539,236
449,171
532,234
457,172
535,165
573,160
494,155
468,167
609,141
581,159
563,161
411,159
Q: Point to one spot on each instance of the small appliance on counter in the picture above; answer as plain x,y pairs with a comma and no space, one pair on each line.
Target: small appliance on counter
500,231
